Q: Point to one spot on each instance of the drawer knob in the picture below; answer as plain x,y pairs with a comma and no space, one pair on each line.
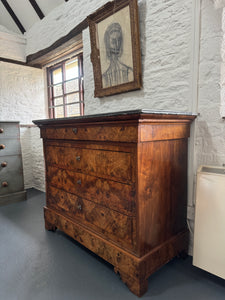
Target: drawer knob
78,158
4,164
2,146
79,181
1,130
75,130
4,183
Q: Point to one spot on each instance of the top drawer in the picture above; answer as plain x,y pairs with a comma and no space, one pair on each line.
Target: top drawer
9,130
105,163
120,133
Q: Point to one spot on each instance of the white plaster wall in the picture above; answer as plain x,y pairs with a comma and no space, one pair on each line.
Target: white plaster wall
222,95
12,45
22,99
210,127
219,3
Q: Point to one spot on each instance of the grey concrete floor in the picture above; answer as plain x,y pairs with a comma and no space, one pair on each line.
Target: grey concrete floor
37,264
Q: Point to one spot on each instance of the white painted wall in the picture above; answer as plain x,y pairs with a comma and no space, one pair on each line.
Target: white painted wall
12,45
22,99
222,108
210,127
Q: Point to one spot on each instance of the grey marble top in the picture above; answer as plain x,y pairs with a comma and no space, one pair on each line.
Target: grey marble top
113,115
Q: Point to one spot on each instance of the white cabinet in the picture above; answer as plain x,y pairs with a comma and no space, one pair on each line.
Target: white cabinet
209,231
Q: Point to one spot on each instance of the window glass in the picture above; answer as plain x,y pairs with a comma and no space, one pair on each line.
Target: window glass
57,89
65,88
73,110
59,112
72,69
57,75
58,101
72,98
72,86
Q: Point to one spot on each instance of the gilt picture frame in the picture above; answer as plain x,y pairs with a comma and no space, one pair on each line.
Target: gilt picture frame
115,48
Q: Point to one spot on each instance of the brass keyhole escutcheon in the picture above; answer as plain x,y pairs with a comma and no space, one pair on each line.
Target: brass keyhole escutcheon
75,130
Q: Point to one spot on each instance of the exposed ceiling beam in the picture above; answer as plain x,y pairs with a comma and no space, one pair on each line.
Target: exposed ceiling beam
37,9
14,17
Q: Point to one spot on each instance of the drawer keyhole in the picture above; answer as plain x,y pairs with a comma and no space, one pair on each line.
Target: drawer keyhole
75,130
79,181
78,158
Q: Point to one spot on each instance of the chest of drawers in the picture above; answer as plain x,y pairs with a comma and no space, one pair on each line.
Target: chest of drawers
11,169
117,183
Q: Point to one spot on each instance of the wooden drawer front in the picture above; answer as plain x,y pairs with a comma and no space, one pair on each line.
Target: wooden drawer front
9,165
11,147
117,227
115,195
93,133
11,174
159,132
105,164
9,130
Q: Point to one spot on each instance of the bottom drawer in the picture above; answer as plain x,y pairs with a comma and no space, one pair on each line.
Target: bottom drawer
113,225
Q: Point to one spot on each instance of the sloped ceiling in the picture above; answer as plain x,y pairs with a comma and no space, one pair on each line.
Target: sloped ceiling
18,16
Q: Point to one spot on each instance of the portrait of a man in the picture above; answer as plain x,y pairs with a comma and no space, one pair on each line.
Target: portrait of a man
117,72
115,48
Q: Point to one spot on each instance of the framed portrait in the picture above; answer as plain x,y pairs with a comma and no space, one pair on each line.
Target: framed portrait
115,48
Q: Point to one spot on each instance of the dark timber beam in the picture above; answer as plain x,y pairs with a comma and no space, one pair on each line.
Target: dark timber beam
14,17
37,9
75,31
16,62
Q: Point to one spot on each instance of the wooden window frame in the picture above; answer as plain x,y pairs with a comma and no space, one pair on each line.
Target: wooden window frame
50,85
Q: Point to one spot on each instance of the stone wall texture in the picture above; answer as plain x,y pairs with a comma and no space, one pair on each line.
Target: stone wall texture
222,82
12,45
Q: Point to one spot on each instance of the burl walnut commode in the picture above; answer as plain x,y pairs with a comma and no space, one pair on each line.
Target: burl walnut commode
117,184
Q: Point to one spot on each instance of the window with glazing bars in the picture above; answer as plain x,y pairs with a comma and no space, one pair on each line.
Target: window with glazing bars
65,88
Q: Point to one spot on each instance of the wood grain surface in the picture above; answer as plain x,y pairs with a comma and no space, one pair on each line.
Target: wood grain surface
118,186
